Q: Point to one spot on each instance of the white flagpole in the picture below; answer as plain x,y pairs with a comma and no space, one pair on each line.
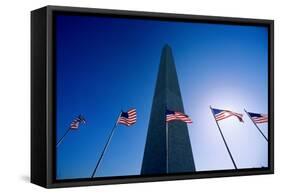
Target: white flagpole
62,138
106,146
228,150
167,147
256,125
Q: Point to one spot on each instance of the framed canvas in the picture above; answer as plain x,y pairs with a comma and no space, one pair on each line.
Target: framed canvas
125,96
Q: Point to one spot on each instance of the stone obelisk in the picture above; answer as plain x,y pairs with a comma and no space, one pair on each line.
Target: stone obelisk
167,95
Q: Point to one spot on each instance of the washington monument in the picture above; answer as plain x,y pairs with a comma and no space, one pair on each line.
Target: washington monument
167,95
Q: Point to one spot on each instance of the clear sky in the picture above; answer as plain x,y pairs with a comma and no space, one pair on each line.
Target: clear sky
105,65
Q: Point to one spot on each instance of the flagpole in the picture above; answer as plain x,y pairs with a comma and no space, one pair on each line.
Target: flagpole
106,146
256,125
167,148
62,138
224,139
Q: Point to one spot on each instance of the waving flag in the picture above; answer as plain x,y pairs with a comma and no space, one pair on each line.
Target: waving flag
76,122
258,118
128,118
173,116
223,114
73,126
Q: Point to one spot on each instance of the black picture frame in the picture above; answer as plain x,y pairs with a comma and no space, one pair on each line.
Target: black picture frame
43,96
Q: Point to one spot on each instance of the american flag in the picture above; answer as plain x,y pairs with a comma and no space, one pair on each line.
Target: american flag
128,118
223,114
76,122
258,118
173,115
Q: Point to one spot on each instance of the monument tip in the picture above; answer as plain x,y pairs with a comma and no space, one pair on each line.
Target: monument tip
166,46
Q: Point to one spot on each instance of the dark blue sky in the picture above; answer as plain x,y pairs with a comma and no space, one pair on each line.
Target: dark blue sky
105,65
